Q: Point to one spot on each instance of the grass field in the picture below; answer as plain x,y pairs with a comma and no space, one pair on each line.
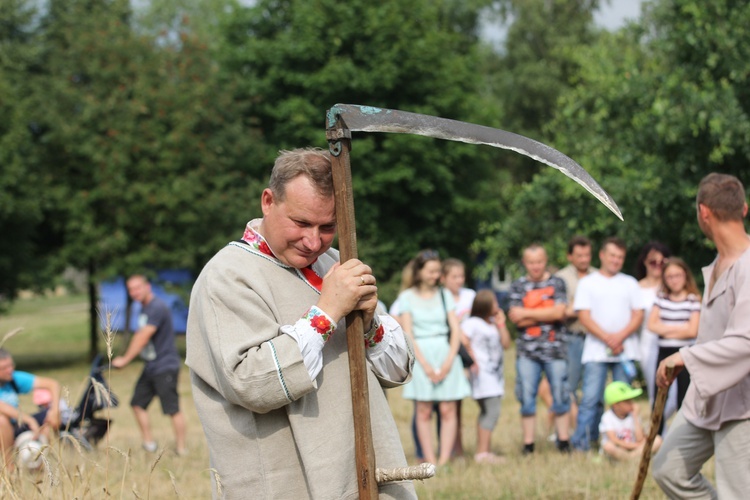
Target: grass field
54,343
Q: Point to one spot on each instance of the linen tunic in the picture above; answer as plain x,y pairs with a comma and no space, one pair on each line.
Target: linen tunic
719,362
272,432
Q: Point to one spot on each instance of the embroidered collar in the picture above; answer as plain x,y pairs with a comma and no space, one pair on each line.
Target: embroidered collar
258,244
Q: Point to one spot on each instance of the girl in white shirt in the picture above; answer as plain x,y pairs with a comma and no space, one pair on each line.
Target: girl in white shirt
489,338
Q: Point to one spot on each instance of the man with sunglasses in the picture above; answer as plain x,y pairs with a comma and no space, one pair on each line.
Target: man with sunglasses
714,419
267,349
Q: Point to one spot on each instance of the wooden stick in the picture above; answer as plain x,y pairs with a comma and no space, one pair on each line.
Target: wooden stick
661,399
347,233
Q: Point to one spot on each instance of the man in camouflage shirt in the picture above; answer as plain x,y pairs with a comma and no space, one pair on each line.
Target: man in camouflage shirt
537,308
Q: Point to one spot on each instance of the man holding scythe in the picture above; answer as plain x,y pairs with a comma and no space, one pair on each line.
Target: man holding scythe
267,352
270,382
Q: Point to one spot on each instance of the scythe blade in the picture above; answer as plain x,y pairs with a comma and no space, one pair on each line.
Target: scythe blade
359,118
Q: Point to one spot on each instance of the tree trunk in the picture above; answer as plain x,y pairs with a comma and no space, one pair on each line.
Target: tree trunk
93,315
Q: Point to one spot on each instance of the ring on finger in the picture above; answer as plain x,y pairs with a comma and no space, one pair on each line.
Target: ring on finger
362,279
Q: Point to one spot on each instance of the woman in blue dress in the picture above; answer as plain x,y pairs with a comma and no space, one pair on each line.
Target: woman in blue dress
427,315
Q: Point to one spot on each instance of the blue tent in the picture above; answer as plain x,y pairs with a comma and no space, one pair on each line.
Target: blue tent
113,300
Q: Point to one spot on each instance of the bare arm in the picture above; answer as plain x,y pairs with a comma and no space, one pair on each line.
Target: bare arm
612,435
534,316
686,330
14,413
455,341
584,315
503,329
140,339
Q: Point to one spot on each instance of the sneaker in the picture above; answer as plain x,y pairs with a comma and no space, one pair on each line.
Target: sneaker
563,446
150,446
528,449
181,453
552,438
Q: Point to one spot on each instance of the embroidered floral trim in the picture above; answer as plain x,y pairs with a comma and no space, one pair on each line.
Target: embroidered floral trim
376,333
257,242
320,322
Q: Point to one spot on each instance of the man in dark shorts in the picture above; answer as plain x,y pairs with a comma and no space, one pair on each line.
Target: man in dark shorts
154,341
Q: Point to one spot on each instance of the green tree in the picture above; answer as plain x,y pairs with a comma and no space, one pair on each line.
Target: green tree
298,58
654,108
144,148
23,205
538,64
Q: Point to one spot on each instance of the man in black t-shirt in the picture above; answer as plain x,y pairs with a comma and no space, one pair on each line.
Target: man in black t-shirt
154,342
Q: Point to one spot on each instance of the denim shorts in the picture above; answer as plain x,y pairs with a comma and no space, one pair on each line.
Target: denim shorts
528,375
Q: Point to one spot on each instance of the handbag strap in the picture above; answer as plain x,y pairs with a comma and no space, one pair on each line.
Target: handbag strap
445,308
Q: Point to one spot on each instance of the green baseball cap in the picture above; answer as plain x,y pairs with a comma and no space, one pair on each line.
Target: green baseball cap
620,391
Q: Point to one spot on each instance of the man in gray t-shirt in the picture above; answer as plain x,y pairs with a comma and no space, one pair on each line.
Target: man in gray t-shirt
154,342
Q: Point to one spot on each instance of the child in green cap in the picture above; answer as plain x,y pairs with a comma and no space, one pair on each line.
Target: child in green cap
620,427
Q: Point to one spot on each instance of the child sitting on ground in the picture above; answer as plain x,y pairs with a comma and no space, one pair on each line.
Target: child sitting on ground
620,427
489,337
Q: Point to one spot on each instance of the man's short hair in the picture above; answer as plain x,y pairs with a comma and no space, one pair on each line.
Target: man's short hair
723,194
617,242
578,241
4,354
313,163
530,248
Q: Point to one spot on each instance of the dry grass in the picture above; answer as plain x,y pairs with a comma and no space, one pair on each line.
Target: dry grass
119,468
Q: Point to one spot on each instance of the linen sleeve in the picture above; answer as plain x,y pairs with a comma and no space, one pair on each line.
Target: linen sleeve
236,345
311,332
391,357
720,364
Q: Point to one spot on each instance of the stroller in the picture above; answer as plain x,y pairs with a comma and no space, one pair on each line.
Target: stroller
81,423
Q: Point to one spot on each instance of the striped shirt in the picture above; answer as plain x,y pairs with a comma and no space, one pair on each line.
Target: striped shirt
676,313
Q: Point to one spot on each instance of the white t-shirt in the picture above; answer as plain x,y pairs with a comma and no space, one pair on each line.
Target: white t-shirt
624,427
611,301
488,353
464,303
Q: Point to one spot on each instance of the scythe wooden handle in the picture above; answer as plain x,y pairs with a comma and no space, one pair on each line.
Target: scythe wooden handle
347,234
656,416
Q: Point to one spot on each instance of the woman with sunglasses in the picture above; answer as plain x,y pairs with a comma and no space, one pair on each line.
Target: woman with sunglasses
648,269
428,317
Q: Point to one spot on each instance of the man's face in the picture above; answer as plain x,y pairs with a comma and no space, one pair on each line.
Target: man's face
535,262
612,259
580,258
138,289
6,369
300,228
